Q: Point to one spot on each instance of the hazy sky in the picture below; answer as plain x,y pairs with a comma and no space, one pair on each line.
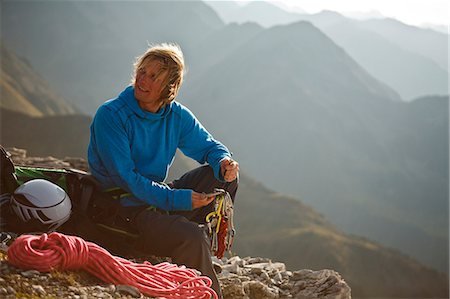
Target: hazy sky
413,12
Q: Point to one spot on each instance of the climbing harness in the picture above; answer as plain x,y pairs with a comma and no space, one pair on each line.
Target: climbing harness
56,251
220,224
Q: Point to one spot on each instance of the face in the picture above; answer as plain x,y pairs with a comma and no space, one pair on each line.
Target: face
149,85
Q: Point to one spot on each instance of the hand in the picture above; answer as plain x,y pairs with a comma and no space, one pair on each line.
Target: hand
200,200
229,169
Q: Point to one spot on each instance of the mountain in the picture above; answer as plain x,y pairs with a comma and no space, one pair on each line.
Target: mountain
261,12
94,44
404,68
385,47
344,143
54,135
283,228
24,90
423,41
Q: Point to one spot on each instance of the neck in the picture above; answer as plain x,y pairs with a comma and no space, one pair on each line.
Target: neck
150,107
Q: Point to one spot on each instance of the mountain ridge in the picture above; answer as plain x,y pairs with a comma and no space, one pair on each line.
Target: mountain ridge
24,90
365,166
386,47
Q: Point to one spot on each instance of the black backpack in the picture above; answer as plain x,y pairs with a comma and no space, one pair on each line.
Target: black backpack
8,183
8,179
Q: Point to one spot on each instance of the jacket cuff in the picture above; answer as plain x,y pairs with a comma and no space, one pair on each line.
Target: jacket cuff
182,200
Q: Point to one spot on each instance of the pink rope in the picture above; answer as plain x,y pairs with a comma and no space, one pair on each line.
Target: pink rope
61,252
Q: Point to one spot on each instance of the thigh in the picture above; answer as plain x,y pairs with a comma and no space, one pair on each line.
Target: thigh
160,233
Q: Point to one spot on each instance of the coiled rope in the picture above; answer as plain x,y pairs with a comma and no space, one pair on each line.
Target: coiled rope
57,251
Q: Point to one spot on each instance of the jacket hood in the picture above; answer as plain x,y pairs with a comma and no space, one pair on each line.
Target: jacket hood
127,96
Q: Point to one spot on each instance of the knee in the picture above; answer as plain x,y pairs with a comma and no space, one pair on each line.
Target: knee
232,188
194,235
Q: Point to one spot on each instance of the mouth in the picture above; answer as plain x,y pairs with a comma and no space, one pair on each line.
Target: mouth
142,89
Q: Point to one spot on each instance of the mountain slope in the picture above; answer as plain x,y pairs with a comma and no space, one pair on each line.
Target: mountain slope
95,43
26,91
283,228
401,67
330,133
425,42
409,59
261,12
58,135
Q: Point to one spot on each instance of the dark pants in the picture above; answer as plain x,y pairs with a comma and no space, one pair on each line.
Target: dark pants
177,234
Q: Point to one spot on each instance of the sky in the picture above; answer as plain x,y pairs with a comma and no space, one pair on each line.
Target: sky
412,12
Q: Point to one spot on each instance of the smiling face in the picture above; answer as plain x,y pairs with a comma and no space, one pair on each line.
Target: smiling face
149,83
158,75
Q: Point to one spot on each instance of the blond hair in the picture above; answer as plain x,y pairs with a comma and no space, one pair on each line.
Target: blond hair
172,62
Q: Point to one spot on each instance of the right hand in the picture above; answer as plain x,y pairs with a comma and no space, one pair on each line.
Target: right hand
200,200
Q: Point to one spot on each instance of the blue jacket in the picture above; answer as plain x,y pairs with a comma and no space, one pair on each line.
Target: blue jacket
133,149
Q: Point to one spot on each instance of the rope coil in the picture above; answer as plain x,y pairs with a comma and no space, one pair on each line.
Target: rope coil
57,251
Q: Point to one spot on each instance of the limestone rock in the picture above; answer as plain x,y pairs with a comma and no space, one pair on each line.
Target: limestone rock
262,278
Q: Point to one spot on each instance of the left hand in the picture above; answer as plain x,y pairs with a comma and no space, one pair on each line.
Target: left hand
229,169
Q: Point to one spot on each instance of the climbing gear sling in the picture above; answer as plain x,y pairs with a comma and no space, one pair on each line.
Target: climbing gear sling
220,224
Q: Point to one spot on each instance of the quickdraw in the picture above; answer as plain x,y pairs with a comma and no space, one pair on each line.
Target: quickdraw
220,224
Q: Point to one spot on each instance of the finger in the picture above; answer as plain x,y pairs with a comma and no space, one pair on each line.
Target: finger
229,177
232,166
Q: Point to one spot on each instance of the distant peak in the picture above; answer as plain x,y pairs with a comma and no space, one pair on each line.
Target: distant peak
326,12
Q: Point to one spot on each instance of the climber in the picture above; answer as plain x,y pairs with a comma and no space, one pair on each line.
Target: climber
134,138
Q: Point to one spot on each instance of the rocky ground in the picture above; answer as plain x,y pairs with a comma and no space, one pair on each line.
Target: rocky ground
241,278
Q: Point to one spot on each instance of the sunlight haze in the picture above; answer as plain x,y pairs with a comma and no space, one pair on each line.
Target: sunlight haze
412,12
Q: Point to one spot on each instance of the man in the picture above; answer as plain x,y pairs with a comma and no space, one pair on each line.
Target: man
134,138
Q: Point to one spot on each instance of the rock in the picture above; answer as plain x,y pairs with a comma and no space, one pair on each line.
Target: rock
30,273
39,290
255,260
232,288
217,267
265,277
278,278
10,290
17,153
326,284
128,290
236,259
111,288
258,290
300,274
219,261
233,268
77,163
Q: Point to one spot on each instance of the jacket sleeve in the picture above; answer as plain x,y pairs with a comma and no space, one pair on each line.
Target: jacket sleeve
196,142
109,133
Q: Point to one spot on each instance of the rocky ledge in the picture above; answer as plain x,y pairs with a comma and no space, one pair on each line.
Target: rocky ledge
241,278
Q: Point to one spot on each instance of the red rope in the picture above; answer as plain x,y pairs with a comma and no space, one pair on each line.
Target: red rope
61,252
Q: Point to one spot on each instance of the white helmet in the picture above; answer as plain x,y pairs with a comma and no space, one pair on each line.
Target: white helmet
41,203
